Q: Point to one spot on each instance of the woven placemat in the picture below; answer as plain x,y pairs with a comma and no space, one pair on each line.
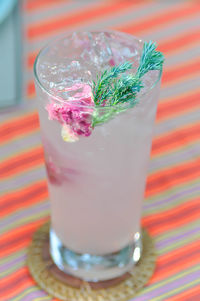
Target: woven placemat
69,288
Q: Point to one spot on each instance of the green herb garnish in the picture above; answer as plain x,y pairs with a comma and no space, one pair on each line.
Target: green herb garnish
101,88
115,86
151,59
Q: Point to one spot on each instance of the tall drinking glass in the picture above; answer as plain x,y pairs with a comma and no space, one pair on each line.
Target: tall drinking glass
96,179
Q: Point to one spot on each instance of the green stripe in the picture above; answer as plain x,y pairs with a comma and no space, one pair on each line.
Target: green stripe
12,269
177,231
42,298
21,173
28,291
163,194
163,156
179,244
11,191
24,150
169,193
21,137
170,279
177,290
25,220
9,258
166,158
167,206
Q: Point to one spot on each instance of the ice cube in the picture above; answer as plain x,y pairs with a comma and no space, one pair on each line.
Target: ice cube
80,56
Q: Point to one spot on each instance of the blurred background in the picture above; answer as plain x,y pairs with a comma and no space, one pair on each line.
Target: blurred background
172,202
27,25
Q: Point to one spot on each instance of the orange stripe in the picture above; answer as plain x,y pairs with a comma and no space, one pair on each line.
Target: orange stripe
183,261
23,198
181,72
182,42
8,284
24,237
19,194
156,217
31,59
174,269
168,178
22,162
177,252
178,105
19,284
154,231
32,5
18,290
94,12
19,273
12,250
20,231
30,90
183,264
22,279
18,126
185,295
177,218
172,15
184,94
176,138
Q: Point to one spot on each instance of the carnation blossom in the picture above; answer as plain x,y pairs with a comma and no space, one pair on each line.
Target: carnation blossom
76,114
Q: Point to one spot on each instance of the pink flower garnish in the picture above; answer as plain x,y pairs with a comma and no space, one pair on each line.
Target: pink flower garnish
75,113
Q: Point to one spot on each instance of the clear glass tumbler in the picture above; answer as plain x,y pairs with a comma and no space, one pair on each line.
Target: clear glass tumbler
96,182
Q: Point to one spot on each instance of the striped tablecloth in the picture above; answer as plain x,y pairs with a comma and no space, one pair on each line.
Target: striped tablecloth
172,201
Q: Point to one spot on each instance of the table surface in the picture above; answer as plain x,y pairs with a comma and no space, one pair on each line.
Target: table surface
172,200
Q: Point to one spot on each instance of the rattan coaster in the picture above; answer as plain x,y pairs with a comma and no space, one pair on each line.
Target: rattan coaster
69,288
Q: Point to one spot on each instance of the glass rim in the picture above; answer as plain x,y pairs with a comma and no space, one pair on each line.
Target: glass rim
64,101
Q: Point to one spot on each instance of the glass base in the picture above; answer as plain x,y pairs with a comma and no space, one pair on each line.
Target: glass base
91,267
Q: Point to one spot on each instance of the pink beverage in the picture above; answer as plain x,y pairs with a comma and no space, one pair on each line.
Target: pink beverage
96,182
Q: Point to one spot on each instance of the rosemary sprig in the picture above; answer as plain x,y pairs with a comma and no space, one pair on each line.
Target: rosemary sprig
150,59
101,88
114,87
125,89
